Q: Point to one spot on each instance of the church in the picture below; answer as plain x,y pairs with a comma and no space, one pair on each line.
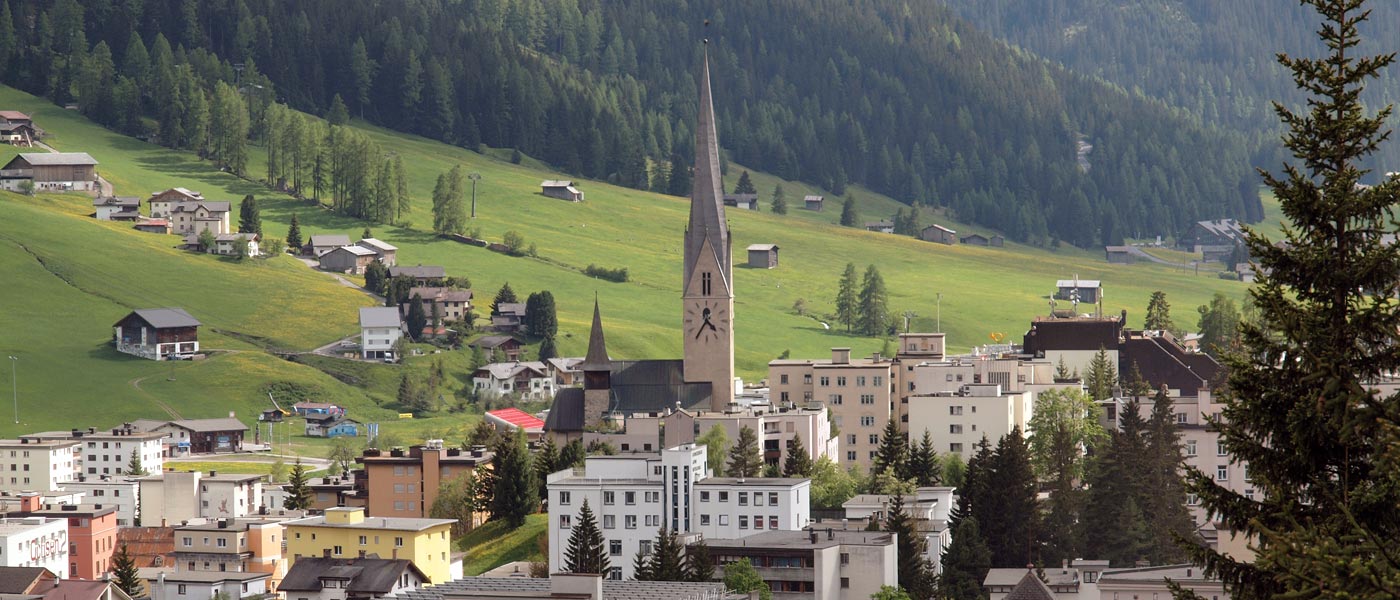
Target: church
704,377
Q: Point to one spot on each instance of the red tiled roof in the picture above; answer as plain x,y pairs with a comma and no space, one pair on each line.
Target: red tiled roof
518,418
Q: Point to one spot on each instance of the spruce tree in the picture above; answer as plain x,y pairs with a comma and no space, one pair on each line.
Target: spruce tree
1219,325
893,452
965,563
699,565
504,296
125,574
1117,486
1165,503
587,551
298,489
641,566
846,299
514,497
134,468
1011,480
744,457
337,114
874,316
797,463
546,463
848,211
294,234
925,469
678,180
571,455
914,572
416,319
779,203
249,217
667,558
1101,378
1159,316
547,349
745,185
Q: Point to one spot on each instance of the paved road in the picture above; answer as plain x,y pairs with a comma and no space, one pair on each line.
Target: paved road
314,264
312,463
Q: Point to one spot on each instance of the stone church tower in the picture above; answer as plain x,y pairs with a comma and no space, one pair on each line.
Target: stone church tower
708,298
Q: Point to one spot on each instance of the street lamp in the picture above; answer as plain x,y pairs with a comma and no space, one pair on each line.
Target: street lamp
474,177
14,384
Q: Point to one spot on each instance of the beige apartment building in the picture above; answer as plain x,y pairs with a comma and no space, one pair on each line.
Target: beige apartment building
33,465
859,392
957,421
228,545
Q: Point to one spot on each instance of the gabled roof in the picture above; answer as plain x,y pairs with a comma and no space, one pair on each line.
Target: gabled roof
869,224
813,198
511,308
366,575
84,589
21,580
420,271
491,341
518,418
566,412
762,247
234,237
117,201
380,316
556,183
1080,283
211,425
162,318
376,244
444,294
13,115
355,250
938,227
530,587
329,239
182,191
1030,588
194,205
58,159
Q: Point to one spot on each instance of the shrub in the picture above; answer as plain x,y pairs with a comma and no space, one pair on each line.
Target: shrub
617,275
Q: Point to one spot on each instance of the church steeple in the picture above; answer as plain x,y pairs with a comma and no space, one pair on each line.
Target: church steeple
597,358
707,196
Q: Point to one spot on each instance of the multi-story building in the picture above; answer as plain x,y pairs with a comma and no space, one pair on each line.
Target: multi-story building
119,492
315,578
405,483
859,392
347,533
205,584
180,496
380,328
957,421
775,427
35,542
109,452
818,564
634,496
92,536
224,545
197,436
32,464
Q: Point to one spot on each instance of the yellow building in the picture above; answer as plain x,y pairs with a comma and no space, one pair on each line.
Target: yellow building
346,532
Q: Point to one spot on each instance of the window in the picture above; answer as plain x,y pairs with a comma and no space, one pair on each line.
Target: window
1220,448
615,547
845,558
180,589
874,439
704,496
834,398
850,455
867,421
807,378
337,550
955,448
773,498
772,522
187,542
629,521
743,522
362,540
653,497
644,547
845,582
758,498
851,439
1190,447
724,520
565,521
629,498
1192,500
867,398
398,542
704,520
824,381
860,381
841,381
1249,494
705,283
564,498
223,543
609,522
955,411
1181,418
1222,473
878,380
743,498
398,488
954,428
1245,472
758,522
783,378
615,574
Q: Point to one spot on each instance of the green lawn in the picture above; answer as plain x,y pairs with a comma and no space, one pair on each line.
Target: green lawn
493,544
58,327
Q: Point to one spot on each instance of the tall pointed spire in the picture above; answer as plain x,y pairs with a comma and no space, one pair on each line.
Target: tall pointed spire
597,358
707,196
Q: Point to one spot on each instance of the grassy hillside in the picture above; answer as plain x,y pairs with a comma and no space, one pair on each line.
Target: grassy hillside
281,304
493,544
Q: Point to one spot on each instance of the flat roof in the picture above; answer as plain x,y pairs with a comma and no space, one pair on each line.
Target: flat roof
803,540
389,523
753,481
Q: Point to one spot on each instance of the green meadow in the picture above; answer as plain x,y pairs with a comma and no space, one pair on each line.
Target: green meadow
75,277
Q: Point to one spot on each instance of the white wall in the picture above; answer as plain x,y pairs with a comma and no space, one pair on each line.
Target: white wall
35,542
110,455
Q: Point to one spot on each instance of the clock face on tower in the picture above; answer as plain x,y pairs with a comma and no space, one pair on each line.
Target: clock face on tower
705,321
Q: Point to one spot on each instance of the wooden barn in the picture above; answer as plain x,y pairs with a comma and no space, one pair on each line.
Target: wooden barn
563,190
50,171
763,256
157,333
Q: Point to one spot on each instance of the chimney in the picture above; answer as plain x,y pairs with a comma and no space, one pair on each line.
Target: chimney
1064,565
812,535
830,533
840,356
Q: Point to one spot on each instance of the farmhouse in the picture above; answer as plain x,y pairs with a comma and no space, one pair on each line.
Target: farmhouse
509,317
161,202
939,234
813,202
380,328
744,201
1088,291
319,245
880,226
1118,255
16,128
562,189
157,333
50,171
763,256
226,244
451,303
508,346
193,217
318,578
421,275
385,252
1215,240
348,259
197,436
331,426
531,380
117,208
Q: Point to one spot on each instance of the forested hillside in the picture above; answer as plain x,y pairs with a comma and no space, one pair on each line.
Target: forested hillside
1213,58
903,97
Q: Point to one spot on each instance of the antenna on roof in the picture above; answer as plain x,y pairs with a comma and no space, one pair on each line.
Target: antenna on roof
706,39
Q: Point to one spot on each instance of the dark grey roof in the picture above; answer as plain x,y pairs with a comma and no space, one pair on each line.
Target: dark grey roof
597,358
566,414
1030,588
209,425
58,159
330,239
491,341
539,588
366,575
16,580
420,271
654,385
161,318
380,316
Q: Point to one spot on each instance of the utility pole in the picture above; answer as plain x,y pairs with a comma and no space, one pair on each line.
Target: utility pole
474,177
14,384
939,319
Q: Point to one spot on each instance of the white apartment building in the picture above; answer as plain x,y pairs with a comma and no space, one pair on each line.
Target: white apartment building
35,542
958,421
859,392
633,497
30,464
119,492
108,452
178,496
380,328
930,507
818,564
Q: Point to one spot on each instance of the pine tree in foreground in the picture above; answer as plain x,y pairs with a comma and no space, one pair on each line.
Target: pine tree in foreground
699,565
298,489
125,574
914,573
744,457
587,552
797,463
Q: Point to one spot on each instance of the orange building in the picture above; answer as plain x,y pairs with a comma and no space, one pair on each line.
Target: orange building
404,483
226,545
92,537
